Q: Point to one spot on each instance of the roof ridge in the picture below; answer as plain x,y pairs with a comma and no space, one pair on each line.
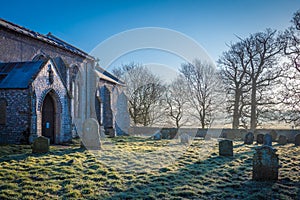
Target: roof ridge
49,38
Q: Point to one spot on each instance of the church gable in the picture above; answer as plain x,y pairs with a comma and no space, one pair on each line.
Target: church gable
49,78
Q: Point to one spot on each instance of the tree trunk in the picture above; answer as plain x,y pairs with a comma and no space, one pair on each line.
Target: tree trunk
253,119
203,118
236,114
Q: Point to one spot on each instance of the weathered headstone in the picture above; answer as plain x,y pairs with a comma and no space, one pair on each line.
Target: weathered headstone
260,138
265,164
91,136
185,139
249,138
157,136
297,140
273,133
225,148
282,140
110,131
268,140
122,114
168,133
241,134
41,145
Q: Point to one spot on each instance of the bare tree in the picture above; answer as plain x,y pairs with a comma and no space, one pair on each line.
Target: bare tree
176,101
292,41
144,91
290,93
233,65
202,90
251,70
262,50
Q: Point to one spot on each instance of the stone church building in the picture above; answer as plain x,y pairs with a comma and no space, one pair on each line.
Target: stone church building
49,87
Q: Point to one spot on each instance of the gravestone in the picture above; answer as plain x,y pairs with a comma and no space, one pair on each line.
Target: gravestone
41,145
282,140
225,148
297,140
110,131
268,140
260,138
91,136
249,138
168,133
241,134
265,164
157,136
273,133
122,114
185,139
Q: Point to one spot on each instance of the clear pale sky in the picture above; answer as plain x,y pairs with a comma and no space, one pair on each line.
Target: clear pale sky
212,23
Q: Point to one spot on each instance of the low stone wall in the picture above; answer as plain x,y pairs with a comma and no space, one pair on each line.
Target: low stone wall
233,134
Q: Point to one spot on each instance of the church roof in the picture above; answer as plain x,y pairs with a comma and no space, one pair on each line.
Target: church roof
18,75
105,75
49,38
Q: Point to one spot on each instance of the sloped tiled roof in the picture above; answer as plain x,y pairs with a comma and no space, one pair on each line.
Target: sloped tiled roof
49,38
105,75
18,75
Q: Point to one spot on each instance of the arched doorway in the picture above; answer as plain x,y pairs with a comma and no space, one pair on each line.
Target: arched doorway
48,118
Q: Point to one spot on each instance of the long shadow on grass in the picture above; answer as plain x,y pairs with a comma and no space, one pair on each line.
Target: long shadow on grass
183,182
58,152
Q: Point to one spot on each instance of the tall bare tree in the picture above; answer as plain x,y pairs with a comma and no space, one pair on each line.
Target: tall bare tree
176,101
202,83
290,93
262,50
144,91
292,41
251,70
233,65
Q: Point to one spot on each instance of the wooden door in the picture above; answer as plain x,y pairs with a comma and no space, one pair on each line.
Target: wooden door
48,118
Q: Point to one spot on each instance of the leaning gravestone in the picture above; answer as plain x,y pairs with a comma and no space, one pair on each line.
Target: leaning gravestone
249,138
41,145
268,140
282,140
297,140
91,136
225,148
265,164
260,138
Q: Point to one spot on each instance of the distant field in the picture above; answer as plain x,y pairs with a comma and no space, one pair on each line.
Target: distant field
139,168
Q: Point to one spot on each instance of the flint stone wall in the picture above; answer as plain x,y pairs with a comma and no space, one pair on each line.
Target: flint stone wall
233,134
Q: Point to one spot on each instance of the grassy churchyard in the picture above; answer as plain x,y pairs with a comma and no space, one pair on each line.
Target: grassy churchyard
141,168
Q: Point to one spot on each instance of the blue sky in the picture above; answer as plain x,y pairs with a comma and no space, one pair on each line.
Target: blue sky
212,23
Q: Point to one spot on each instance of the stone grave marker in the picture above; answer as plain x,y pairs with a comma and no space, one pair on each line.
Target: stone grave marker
265,164
110,131
260,138
157,136
249,138
297,140
91,136
268,140
225,148
41,145
282,140
273,133
185,139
